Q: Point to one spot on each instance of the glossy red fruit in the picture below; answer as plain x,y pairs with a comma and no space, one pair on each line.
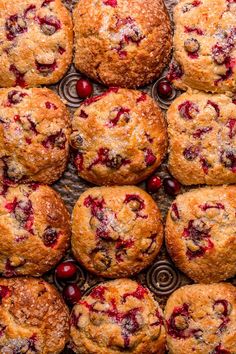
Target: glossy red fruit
66,270
153,184
171,186
72,294
164,89
84,88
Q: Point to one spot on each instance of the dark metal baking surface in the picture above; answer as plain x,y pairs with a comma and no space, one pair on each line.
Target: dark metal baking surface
162,278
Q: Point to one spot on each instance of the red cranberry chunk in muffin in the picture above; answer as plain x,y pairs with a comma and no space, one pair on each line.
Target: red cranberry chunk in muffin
33,317
36,42
204,45
200,233
202,131
34,132
201,319
118,137
125,316
115,47
34,230
117,231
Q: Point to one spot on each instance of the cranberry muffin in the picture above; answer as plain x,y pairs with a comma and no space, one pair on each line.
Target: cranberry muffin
119,137
204,45
127,43
36,41
34,229
119,316
201,234
117,231
33,317
202,131
34,132
201,319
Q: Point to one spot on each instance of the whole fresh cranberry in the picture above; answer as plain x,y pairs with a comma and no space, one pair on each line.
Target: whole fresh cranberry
153,184
84,88
66,270
72,294
164,89
171,186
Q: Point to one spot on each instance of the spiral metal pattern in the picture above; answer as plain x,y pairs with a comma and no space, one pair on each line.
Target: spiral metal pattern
67,90
80,279
162,278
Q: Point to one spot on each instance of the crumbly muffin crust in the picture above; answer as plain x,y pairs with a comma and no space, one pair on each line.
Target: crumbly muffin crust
33,317
119,137
127,43
200,233
202,319
36,41
34,229
202,130
34,132
119,316
117,231
204,45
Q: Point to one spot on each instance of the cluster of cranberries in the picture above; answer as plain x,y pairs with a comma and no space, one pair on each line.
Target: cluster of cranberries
171,185
65,273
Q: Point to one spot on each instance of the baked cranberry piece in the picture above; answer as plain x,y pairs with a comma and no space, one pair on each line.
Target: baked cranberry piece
50,237
178,323
220,350
83,114
130,324
98,293
96,206
223,309
112,3
84,88
228,159
150,158
188,110
215,106
191,153
142,97
4,292
46,69
101,259
197,236
57,140
79,161
49,25
118,114
201,131
29,10
139,293
20,81
76,140
46,2
205,164
207,206
91,100
23,213
175,72
121,248
136,203
192,46
111,161
196,30
50,105
15,97
232,127
174,212
189,6
14,26
72,294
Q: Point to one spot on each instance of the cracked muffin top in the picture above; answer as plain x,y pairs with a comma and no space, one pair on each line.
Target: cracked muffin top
36,40
34,229
205,45
126,44
33,317
119,316
201,233
117,231
202,130
119,137
34,132
202,319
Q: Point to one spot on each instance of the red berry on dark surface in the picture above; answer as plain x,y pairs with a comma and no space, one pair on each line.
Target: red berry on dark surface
72,294
164,89
84,88
153,184
171,186
66,270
